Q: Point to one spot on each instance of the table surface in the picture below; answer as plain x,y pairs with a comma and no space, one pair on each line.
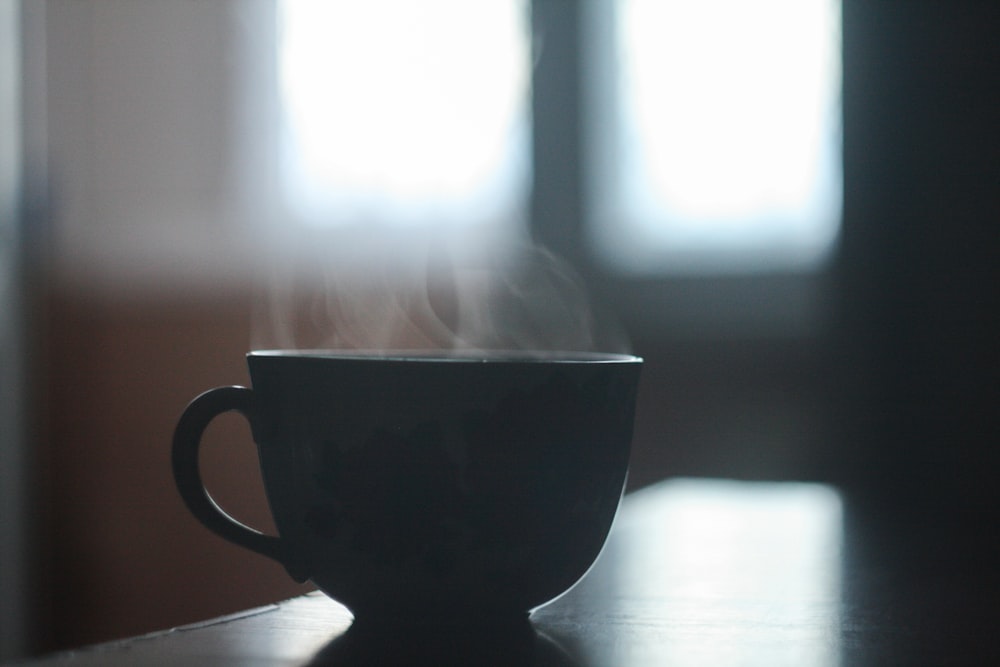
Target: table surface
695,572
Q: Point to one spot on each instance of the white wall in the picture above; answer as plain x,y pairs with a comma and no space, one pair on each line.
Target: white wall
156,163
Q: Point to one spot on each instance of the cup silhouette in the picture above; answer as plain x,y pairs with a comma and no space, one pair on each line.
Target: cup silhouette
422,487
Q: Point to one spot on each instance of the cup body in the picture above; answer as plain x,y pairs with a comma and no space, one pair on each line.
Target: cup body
443,485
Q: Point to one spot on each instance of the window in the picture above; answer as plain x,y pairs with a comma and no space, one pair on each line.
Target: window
714,134
404,114
685,152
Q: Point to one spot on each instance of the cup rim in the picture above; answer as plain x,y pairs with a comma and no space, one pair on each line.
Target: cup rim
478,356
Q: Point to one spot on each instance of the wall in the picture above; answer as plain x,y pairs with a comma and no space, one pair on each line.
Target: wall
920,272
125,556
150,142
144,283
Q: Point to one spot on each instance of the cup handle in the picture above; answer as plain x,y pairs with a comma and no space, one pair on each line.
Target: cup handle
187,474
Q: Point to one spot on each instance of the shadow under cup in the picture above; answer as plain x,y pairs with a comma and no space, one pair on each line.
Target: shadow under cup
428,486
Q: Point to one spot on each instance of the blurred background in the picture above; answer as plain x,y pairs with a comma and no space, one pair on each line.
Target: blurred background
790,206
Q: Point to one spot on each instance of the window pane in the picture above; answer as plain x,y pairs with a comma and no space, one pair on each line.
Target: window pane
405,113
716,134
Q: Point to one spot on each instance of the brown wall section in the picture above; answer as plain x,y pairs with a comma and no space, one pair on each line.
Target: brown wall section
126,556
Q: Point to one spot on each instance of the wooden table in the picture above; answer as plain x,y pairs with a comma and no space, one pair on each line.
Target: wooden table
696,572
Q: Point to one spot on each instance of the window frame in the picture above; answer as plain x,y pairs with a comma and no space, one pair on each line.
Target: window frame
768,304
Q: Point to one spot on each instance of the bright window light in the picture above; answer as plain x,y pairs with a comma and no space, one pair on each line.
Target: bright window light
719,147
401,113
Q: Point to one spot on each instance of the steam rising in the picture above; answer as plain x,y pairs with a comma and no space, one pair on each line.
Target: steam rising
523,300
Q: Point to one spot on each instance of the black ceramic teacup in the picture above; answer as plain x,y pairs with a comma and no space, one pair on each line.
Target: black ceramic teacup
428,486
